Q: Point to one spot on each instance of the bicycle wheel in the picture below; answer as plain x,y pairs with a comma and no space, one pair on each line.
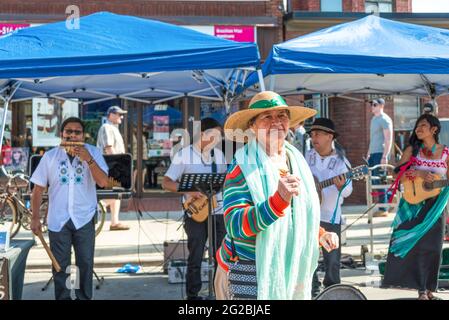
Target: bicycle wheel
8,216
26,217
101,217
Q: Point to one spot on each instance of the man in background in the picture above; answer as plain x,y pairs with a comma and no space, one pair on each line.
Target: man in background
381,137
110,141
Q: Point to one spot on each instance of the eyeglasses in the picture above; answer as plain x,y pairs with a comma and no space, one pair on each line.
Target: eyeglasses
70,131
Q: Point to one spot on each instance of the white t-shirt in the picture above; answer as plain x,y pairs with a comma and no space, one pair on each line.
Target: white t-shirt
189,160
109,135
71,187
323,169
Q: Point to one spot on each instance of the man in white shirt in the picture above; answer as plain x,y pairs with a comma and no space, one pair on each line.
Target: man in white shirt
71,181
199,157
110,141
326,162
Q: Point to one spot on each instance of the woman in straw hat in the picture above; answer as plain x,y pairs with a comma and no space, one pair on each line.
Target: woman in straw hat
269,196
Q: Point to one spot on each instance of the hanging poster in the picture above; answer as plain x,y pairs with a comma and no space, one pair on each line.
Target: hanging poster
19,160
161,144
48,115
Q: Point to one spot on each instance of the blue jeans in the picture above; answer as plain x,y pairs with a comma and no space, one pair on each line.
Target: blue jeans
375,159
83,242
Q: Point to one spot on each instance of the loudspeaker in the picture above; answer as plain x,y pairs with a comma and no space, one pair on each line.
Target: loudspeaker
174,250
341,292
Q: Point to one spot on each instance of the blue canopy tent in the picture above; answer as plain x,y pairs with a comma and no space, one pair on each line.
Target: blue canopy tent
112,56
369,55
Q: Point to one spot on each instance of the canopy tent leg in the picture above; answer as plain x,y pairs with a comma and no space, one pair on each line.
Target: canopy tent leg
7,97
272,82
261,82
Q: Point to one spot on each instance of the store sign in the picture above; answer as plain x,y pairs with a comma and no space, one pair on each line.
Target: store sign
10,27
235,33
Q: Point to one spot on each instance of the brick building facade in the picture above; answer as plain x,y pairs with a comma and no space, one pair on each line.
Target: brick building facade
352,118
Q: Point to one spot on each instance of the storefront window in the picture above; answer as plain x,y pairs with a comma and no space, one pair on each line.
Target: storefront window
374,6
18,142
33,127
406,111
331,6
93,116
159,141
216,110
48,115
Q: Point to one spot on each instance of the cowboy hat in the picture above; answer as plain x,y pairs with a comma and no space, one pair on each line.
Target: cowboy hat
260,103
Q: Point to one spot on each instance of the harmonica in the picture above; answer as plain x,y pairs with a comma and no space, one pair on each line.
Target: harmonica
70,146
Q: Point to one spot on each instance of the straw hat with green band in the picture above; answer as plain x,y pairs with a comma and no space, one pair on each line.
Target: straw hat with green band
262,102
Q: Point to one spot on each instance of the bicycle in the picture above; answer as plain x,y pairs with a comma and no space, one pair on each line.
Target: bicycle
15,213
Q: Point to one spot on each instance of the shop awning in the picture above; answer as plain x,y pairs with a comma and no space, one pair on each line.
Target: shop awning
369,55
108,56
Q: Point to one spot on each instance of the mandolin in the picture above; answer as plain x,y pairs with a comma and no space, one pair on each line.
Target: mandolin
198,209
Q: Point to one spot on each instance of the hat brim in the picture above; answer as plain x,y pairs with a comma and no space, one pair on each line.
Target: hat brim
321,129
237,123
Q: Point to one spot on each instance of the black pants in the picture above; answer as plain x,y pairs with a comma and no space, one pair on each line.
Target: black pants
196,241
331,261
83,241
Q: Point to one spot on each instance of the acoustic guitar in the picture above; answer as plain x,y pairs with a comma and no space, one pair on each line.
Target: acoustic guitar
417,190
198,209
356,173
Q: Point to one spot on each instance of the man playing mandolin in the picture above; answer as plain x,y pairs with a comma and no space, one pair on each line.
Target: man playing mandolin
414,254
199,157
326,162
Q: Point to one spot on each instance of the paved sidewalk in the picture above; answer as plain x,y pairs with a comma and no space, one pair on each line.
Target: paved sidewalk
143,245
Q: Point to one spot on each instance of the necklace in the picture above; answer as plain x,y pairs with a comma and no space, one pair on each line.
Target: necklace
428,153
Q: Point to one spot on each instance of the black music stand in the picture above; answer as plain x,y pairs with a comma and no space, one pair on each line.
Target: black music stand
208,184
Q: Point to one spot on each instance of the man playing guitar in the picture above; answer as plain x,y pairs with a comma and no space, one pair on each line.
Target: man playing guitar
199,157
326,162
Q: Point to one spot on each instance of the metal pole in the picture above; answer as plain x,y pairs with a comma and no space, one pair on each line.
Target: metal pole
369,201
3,125
261,81
210,236
7,98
